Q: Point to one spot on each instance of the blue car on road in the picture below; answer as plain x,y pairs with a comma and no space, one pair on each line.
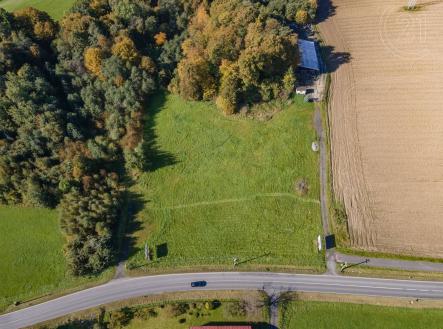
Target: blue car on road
198,284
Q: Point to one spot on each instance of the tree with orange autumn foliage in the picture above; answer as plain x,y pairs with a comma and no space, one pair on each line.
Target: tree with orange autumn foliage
160,38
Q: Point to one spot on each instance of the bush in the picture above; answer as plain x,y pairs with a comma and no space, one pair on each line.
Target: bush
145,313
236,309
302,186
212,305
177,309
120,318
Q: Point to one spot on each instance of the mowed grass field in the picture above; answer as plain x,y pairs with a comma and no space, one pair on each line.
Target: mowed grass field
325,315
55,8
223,187
31,255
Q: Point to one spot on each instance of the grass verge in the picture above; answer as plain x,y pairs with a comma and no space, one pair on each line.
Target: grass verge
55,8
374,254
302,314
387,273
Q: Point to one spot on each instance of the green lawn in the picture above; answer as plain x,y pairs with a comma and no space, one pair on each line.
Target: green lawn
223,187
32,262
55,8
323,315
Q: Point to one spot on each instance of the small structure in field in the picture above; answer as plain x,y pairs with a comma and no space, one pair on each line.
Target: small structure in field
315,146
308,55
301,90
412,4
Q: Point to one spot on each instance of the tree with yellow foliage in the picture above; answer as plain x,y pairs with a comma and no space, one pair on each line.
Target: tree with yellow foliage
40,23
125,49
301,17
93,60
229,87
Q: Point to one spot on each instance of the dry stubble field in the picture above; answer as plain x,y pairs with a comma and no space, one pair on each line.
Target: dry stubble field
386,112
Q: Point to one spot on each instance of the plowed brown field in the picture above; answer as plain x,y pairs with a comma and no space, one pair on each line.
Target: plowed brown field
386,113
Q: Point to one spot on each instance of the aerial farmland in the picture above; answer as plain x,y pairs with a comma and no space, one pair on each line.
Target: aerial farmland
386,123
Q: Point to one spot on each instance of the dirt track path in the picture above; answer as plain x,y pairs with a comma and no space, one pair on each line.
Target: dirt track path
386,115
330,253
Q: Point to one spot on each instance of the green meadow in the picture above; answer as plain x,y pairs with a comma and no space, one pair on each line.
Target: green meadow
223,187
31,253
55,8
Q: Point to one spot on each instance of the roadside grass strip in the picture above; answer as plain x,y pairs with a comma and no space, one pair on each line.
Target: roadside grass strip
328,315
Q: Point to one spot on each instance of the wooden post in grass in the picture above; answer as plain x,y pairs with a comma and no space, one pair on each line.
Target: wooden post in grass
147,255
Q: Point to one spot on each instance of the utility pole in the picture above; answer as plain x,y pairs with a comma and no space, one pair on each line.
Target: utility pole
412,4
346,265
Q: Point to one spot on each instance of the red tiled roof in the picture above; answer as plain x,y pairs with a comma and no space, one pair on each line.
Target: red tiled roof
222,327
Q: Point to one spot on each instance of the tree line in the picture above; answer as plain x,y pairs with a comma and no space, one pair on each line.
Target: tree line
73,95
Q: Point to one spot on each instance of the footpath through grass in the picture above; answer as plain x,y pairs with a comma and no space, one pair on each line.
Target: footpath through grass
223,187
31,255
325,315
55,8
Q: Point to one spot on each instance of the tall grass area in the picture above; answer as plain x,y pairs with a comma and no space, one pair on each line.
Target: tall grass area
196,316
223,187
55,8
31,255
325,315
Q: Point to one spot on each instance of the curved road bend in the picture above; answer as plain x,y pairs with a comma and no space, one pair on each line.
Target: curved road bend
136,287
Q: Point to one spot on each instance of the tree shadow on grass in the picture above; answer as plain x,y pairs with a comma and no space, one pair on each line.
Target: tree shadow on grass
156,157
134,204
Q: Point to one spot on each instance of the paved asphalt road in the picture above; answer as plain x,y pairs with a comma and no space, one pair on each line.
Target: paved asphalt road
135,287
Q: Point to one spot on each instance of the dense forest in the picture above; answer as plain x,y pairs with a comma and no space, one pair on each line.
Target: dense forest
73,95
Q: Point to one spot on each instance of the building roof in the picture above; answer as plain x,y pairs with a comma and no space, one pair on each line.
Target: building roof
222,327
308,55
